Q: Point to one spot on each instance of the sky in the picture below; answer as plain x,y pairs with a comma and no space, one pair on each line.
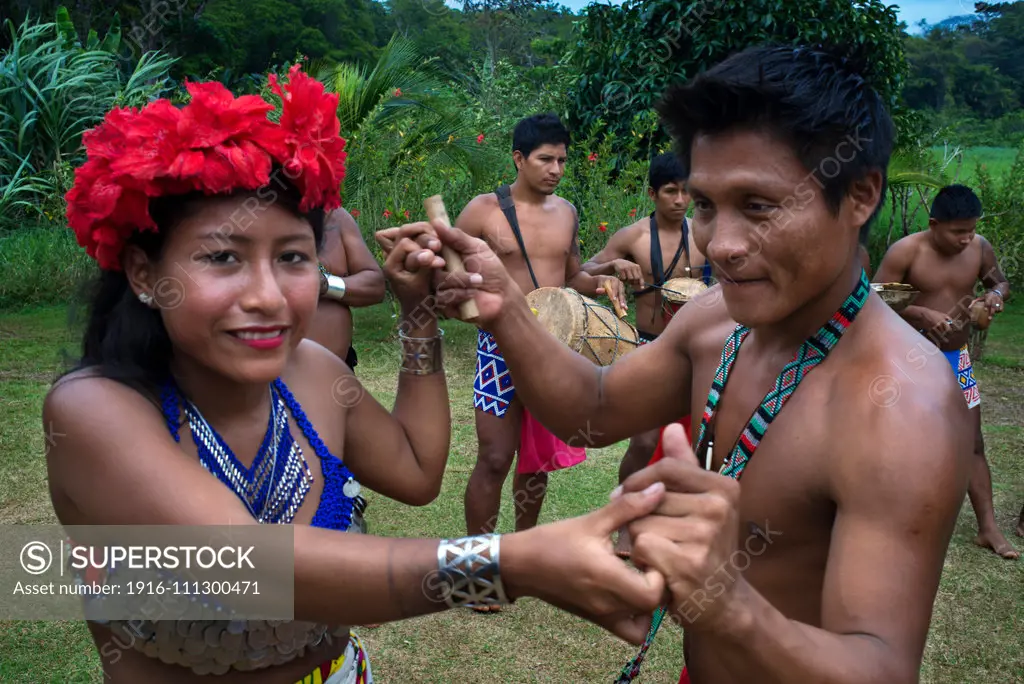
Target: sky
910,11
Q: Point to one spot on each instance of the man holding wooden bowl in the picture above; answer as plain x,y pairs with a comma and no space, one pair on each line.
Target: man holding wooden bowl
944,264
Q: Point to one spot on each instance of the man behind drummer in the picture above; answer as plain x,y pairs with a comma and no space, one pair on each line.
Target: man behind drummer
655,249
544,254
945,263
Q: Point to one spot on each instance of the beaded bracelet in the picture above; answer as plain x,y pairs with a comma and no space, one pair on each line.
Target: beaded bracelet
421,355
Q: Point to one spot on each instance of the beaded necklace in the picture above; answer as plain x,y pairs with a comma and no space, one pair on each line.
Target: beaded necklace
811,353
274,487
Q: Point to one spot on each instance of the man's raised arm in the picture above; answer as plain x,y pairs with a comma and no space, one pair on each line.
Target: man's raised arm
991,275
563,390
345,254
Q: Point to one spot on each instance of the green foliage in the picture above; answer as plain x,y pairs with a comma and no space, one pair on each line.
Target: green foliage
606,206
51,91
626,57
409,135
1003,221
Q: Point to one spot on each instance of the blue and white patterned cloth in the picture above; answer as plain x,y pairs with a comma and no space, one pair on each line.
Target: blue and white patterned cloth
493,389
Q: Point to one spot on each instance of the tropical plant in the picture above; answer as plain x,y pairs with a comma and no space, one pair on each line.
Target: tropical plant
913,175
402,125
51,91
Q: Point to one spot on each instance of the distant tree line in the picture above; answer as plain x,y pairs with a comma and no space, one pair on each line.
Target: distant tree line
967,74
233,40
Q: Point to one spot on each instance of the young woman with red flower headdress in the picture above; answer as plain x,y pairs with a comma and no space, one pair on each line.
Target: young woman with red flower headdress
206,222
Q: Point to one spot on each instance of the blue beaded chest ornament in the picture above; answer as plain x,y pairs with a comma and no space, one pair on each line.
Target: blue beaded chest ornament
274,487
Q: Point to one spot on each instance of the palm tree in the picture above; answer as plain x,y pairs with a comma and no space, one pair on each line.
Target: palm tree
403,89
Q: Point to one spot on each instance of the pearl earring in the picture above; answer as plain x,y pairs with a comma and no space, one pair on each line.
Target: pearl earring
146,298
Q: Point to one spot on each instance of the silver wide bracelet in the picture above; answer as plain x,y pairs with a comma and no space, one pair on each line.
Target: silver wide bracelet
470,570
421,355
334,287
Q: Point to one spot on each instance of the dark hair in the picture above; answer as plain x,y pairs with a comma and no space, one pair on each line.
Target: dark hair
665,168
813,98
125,340
537,130
956,202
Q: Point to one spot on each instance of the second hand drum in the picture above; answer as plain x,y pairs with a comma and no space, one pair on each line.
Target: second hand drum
676,292
586,327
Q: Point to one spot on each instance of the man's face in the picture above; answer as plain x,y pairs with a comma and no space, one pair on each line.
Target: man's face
953,237
671,200
542,171
762,220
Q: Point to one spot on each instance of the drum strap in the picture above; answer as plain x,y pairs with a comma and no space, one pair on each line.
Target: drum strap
657,261
508,208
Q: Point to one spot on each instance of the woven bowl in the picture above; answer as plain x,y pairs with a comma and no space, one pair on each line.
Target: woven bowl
897,295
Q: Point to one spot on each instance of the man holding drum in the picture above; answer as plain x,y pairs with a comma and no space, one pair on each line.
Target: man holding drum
656,249
824,566
535,236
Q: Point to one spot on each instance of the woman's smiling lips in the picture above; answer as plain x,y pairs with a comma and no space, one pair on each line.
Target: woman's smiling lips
261,337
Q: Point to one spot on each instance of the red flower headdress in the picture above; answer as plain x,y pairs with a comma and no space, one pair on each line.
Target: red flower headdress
216,144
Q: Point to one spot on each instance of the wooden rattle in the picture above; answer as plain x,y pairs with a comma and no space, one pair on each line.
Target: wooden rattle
453,262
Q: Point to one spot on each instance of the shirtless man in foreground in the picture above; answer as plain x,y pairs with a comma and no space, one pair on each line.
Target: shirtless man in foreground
655,249
945,263
550,237
346,255
825,565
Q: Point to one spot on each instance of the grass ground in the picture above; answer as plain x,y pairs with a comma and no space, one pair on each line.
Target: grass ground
977,633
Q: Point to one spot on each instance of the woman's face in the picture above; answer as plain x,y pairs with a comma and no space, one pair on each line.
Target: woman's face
237,286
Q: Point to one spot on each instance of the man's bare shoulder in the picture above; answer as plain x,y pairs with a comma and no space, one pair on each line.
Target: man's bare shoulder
909,245
896,402
478,214
482,205
338,219
630,235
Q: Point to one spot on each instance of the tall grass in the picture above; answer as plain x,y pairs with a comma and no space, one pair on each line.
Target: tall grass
41,264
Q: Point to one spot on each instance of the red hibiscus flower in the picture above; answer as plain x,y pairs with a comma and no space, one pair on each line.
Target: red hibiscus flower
480,139
632,213
387,214
354,213
309,130
592,157
603,226
398,92
216,143
406,213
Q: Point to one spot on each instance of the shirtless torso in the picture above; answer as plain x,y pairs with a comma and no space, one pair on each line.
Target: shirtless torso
549,234
823,562
793,500
633,243
946,283
549,230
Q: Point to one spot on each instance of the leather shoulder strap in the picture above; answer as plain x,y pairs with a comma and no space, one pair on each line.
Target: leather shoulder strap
508,208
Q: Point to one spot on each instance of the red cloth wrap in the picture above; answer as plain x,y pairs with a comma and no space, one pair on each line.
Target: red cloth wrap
659,453
542,452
